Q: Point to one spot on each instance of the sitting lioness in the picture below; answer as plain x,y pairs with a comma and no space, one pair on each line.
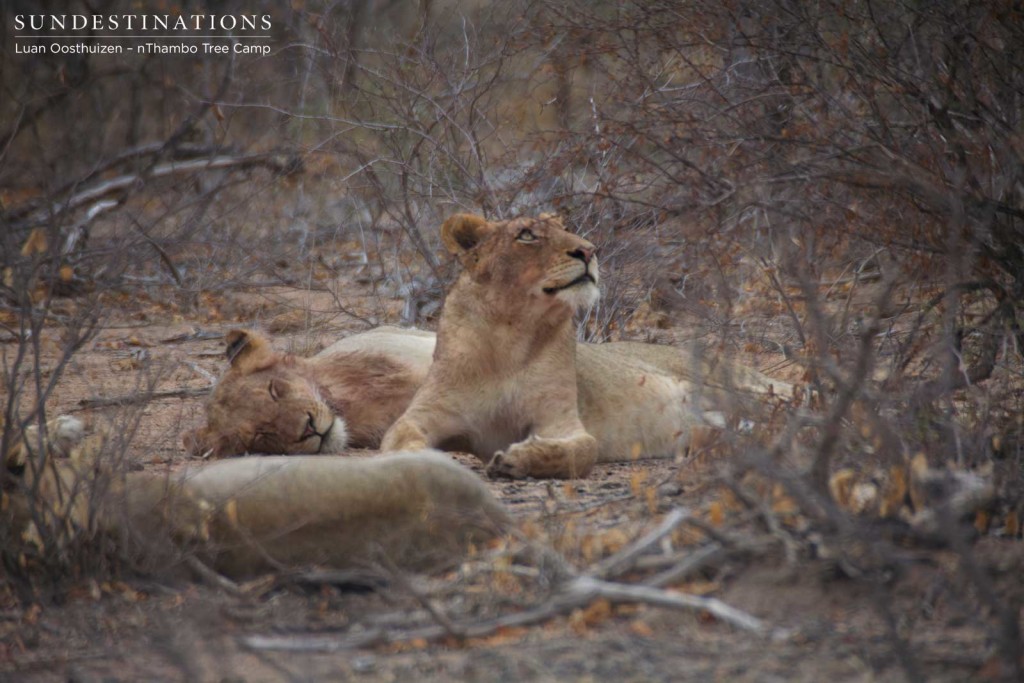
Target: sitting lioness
504,372
508,377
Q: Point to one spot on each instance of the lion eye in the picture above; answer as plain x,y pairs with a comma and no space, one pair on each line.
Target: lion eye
526,236
275,391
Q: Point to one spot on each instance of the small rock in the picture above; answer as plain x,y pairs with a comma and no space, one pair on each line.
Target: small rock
365,664
670,489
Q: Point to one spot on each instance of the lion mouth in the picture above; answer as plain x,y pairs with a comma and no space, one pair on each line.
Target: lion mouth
323,437
581,280
310,432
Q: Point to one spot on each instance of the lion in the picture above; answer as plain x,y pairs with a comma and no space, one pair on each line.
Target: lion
504,371
635,399
360,385
509,379
30,464
347,396
414,510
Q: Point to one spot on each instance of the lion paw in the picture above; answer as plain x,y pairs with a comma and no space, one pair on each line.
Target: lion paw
505,465
404,435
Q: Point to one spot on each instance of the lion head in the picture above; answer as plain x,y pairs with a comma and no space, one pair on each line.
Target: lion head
536,260
266,403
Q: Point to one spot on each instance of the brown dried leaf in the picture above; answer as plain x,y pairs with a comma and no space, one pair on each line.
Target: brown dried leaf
637,482
716,513
581,620
36,243
1012,524
641,628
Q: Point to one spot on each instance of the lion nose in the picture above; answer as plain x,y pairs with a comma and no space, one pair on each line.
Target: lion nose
584,254
310,429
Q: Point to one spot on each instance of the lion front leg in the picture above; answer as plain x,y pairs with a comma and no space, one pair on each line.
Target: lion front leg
405,435
425,424
569,457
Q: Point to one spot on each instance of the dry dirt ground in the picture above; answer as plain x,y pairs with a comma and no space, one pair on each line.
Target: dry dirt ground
919,620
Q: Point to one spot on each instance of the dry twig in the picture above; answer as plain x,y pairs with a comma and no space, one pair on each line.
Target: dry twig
143,397
623,560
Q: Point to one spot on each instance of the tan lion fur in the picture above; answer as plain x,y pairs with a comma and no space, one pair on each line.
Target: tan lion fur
622,387
265,400
417,510
504,378
637,400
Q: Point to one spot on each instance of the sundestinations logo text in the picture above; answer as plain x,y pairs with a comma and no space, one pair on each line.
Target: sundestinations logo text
141,22
165,34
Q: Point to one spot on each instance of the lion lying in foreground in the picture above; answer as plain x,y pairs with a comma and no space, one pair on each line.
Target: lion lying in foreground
417,510
636,400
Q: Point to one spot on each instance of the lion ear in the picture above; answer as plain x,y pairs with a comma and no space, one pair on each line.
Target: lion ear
464,231
247,351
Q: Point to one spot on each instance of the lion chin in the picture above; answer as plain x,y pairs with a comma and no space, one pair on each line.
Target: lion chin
582,296
336,440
